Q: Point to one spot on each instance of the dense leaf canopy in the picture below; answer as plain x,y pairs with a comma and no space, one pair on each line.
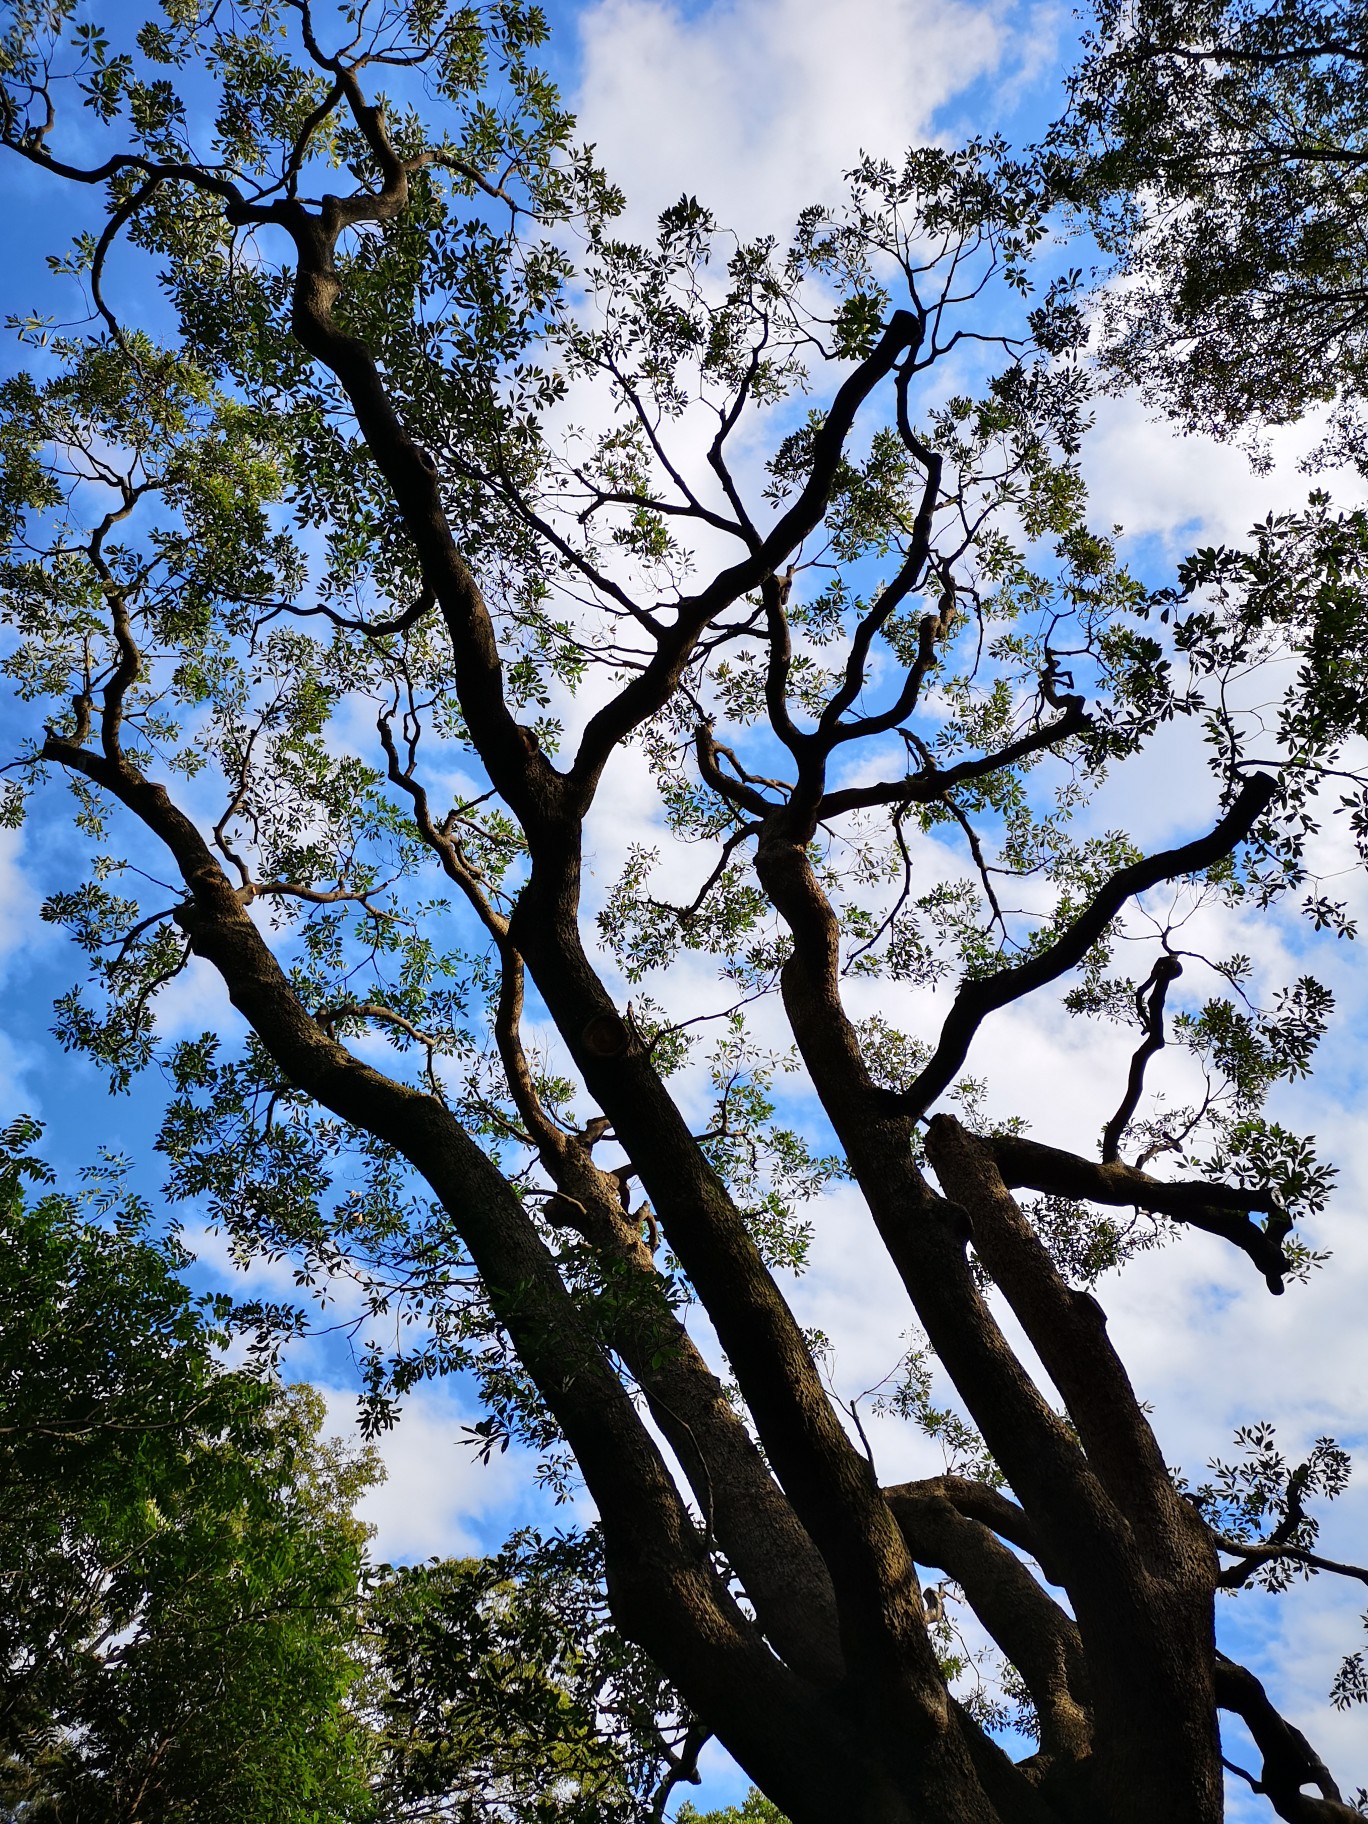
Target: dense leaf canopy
178,1603
1225,147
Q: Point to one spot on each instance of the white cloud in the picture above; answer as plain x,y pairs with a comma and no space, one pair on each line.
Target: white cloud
1180,491
438,1498
758,106
18,899
20,1072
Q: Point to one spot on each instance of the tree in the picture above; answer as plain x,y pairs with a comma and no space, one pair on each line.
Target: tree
414,440
753,1809
189,1626
181,1564
1222,148
503,1692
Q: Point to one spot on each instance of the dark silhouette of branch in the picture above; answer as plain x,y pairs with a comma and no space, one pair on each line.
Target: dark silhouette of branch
1220,1209
977,999
1289,1760
1150,1007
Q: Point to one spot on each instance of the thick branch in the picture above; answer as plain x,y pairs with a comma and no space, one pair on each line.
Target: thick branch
1066,1328
742,1505
926,1239
1220,1209
1037,1636
1289,1760
824,1476
1142,1586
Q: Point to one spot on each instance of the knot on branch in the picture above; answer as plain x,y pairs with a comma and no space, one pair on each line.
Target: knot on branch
1051,678
607,1035
935,628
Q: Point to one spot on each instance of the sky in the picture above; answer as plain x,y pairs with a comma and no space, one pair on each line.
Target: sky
757,107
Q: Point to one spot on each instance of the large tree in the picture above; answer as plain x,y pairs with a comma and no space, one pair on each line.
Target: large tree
411,513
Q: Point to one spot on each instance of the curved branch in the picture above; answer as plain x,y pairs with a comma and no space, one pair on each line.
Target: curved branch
431,1042
1289,1760
977,999
1164,973
400,623
1219,1209
989,1507
1037,1636
931,631
117,220
909,574
774,592
736,791
645,693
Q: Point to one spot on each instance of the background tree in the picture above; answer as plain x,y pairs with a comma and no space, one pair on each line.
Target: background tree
414,441
1224,149
503,1692
189,1628
178,1604
753,1809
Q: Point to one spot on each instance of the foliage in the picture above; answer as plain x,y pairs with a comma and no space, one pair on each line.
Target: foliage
507,1694
186,1605
181,1562
755,1808
1223,144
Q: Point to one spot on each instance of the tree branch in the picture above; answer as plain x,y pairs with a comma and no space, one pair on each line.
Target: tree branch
665,1592
925,787
1220,1209
977,999
1151,1011
1289,1760
1066,1328
1033,1631
645,693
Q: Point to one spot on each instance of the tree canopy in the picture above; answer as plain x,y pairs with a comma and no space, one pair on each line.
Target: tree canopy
394,521
1223,148
178,1603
